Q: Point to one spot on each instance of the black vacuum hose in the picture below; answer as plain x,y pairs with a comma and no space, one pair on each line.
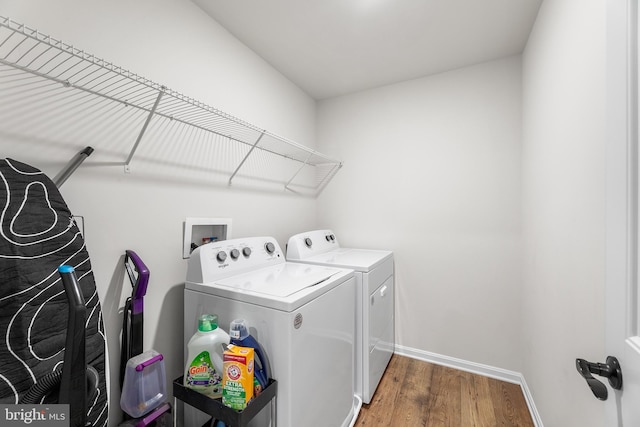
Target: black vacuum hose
51,382
42,388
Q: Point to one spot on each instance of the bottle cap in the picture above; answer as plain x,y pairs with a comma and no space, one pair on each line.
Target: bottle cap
207,322
238,329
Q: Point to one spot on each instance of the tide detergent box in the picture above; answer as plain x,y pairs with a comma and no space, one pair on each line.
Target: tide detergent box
237,376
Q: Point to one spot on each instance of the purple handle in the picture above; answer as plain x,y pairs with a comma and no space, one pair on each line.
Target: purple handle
151,361
139,284
153,415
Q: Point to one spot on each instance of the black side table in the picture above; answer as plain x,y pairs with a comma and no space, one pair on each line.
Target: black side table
218,411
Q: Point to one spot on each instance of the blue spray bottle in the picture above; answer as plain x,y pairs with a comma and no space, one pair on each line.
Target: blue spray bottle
239,334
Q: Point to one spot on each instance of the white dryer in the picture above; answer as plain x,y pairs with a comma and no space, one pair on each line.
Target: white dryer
301,314
375,336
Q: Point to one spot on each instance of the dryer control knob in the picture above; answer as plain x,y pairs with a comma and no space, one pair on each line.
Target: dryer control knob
234,253
270,247
221,256
246,252
308,242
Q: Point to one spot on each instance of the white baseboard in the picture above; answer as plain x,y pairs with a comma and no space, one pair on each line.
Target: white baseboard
532,407
475,368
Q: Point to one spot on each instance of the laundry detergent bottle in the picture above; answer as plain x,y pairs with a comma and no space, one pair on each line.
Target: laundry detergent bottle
239,332
203,371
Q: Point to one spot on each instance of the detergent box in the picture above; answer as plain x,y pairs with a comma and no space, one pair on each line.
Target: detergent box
237,376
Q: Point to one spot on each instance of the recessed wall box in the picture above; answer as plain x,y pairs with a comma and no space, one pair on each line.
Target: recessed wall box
198,231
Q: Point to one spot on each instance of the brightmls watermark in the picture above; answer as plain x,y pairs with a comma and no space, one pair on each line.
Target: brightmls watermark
34,415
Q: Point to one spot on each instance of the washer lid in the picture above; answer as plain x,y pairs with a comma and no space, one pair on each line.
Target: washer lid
279,281
358,259
284,287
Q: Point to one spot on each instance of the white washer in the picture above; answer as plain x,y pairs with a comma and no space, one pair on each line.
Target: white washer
301,314
375,336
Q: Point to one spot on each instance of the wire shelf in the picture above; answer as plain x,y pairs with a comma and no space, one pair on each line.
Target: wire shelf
44,77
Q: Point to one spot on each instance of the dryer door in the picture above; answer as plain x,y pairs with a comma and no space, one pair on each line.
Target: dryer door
381,335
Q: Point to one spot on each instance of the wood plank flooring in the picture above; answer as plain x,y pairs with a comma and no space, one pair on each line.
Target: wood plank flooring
415,393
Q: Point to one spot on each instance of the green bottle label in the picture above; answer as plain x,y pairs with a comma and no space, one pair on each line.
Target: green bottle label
201,372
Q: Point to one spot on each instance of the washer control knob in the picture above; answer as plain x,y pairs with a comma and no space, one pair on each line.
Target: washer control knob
332,237
328,237
234,253
308,242
270,247
246,252
221,256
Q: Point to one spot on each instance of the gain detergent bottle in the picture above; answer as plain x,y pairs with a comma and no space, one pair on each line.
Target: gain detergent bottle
203,371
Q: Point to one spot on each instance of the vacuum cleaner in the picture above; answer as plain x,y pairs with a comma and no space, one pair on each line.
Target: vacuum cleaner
142,374
76,383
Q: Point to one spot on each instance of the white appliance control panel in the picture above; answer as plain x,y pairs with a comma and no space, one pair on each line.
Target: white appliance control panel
311,243
217,260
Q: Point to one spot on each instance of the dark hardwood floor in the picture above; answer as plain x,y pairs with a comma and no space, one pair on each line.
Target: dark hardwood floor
415,393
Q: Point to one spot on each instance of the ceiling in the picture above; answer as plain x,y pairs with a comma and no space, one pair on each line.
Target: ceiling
335,47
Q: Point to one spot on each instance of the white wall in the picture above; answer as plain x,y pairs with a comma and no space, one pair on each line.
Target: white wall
432,172
448,171
173,43
564,207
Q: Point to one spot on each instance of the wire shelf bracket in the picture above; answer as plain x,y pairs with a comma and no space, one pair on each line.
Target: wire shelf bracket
127,168
244,159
